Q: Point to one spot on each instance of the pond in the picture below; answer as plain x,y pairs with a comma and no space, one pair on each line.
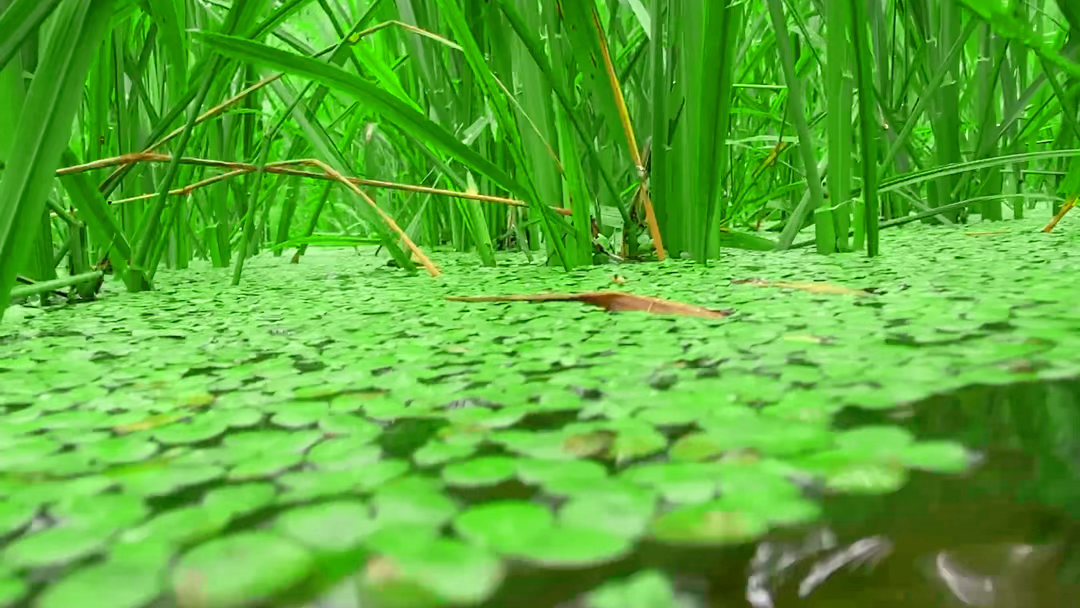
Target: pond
896,431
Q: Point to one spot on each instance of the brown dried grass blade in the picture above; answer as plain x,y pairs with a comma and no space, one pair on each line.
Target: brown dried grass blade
611,301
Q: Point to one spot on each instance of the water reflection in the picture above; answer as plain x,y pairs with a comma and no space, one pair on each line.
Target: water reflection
1004,535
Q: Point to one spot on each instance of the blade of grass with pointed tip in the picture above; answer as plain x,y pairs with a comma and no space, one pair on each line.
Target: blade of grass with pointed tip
20,20
557,81
798,116
867,124
316,134
95,212
402,115
45,128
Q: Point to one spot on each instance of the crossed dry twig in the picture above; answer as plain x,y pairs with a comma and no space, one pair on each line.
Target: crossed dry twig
283,167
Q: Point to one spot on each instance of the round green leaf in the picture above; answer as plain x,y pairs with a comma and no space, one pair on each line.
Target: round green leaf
240,499
123,449
343,453
677,482
411,500
57,546
105,585
573,547
447,570
504,525
114,511
867,478
299,414
437,451
875,442
941,456
12,589
240,570
708,523
180,527
349,425
159,481
194,431
333,526
14,517
485,471
527,531
626,514
647,589
265,465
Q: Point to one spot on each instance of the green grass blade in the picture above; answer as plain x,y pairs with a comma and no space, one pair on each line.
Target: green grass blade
867,124
44,130
402,115
18,22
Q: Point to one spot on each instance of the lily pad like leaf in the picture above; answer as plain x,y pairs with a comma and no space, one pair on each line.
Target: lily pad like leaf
14,516
116,511
444,570
413,501
486,471
12,589
708,523
527,531
438,451
106,585
574,547
239,570
625,514
647,589
334,526
941,456
343,453
240,499
867,478
57,546
180,527
504,525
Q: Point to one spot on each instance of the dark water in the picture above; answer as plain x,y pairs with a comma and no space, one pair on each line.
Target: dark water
1004,535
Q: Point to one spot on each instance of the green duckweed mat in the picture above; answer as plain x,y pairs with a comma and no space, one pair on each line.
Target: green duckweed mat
216,446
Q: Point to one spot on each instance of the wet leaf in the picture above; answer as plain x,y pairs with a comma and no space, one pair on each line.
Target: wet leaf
180,527
528,531
646,589
57,546
332,526
435,572
413,500
106,585
708,523
611,301
239,570
12,590
490,470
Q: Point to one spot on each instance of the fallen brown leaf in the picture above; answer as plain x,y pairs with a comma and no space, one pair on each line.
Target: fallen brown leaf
381,570
810,286
583,445
611,301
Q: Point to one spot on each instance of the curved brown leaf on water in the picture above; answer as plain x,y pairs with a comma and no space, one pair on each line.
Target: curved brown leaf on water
611,301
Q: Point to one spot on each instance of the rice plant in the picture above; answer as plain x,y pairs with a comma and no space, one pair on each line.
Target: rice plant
136,136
